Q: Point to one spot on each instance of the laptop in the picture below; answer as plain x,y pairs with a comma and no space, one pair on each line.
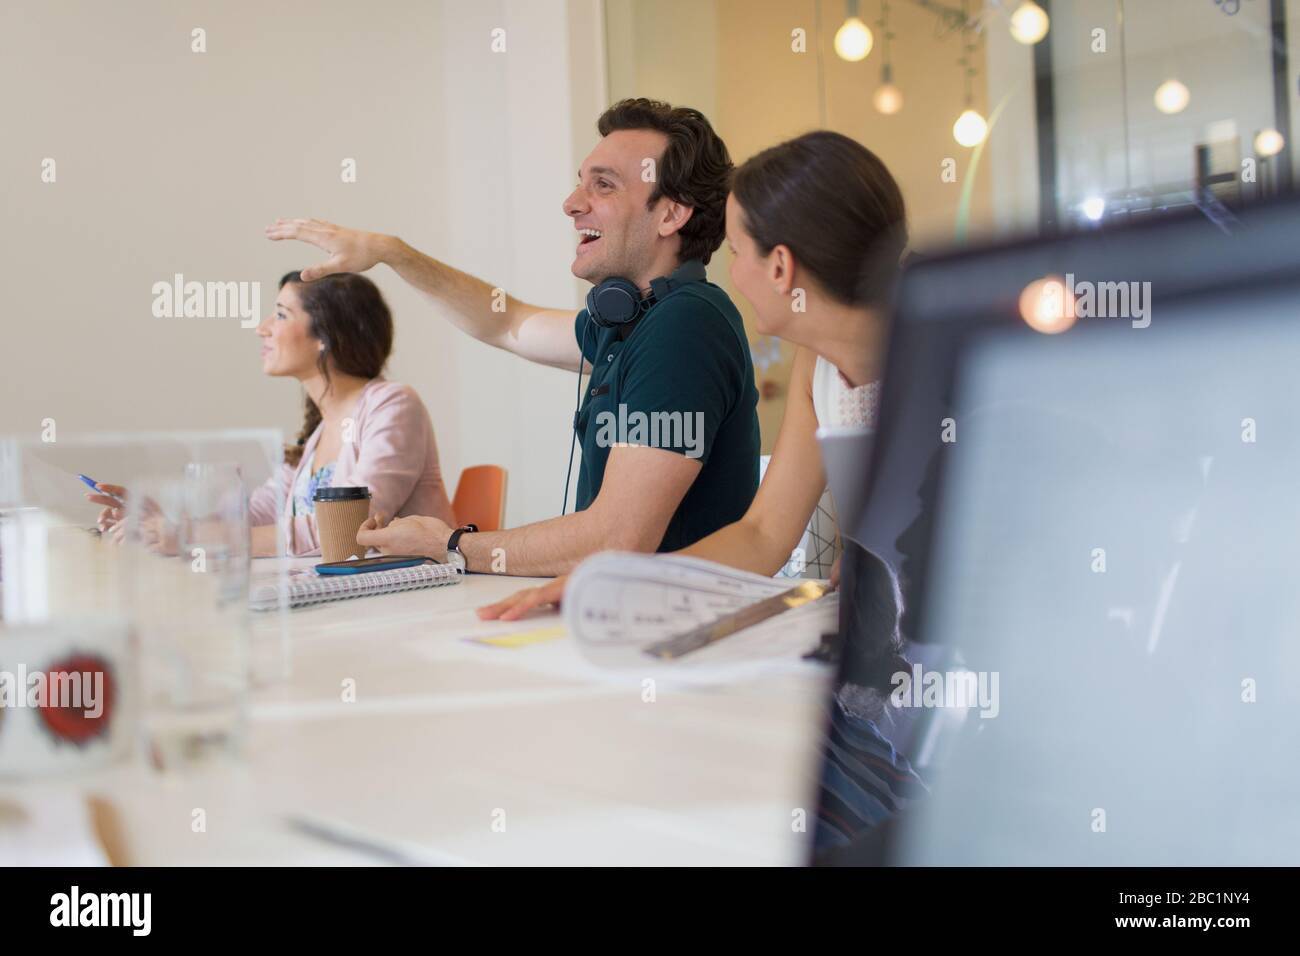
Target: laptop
1104,524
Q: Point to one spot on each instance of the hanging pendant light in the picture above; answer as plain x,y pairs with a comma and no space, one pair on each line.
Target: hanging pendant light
970,128
888,98
853,39
1269,142
1172,97
1029,23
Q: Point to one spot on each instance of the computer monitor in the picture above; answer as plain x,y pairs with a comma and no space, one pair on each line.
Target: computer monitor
1105,523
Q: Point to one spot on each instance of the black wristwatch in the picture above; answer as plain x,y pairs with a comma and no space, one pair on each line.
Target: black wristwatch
454,556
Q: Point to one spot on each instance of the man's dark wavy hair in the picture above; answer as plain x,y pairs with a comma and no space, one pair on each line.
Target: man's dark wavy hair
695,169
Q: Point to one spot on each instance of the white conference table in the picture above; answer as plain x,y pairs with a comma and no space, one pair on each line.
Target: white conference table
460,753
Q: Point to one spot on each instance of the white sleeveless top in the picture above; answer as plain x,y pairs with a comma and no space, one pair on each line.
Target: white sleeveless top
837,405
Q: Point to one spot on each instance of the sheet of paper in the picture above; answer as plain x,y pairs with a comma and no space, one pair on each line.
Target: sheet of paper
616,604
773,649
618,600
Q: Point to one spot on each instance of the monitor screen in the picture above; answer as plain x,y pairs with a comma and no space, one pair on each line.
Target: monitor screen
1117,533
1095,531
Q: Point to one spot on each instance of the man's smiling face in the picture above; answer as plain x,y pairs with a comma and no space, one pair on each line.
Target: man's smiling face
617,233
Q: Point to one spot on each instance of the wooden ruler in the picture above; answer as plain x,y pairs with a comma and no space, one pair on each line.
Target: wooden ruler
706,634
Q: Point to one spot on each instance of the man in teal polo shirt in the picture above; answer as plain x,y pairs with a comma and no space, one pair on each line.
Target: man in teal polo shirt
668,422
680,379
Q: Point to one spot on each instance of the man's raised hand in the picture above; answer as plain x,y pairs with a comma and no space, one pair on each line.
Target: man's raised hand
350,250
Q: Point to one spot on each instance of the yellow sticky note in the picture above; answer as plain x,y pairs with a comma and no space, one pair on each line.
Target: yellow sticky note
521,638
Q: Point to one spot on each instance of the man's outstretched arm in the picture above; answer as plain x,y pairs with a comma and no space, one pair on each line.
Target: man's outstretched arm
640,492
472,305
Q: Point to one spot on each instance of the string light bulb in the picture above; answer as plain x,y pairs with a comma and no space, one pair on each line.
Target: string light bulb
1269,142
1029,23
853,40
1047,305
888,99
970,128
1172,97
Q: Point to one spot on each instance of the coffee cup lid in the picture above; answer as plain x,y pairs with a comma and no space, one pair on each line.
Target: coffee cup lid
341,494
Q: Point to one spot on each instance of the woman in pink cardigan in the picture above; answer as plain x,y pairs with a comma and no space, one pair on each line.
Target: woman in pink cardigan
334,335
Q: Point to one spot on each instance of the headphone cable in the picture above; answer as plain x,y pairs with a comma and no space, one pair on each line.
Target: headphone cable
577,403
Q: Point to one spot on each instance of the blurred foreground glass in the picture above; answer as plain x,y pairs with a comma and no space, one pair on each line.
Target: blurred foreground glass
44,475
187,558
67,664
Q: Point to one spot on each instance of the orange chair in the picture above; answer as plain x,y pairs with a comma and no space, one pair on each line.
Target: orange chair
481,497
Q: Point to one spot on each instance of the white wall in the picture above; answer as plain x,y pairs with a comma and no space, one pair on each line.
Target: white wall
173,161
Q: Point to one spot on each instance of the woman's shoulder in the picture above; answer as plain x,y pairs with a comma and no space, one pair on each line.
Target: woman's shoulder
383,395
386,405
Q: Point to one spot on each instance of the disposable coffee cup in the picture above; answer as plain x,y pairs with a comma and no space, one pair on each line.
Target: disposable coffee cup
340,513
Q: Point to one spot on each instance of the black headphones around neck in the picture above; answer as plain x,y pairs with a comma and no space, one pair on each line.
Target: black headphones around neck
617,302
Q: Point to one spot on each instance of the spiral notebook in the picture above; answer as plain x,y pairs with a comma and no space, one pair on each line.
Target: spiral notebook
303,586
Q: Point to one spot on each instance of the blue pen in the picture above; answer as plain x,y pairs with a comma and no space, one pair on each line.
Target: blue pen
94,486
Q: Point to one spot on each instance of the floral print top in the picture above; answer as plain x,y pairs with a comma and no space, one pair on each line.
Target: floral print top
309,479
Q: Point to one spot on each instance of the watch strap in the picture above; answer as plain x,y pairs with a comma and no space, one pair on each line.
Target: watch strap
453,543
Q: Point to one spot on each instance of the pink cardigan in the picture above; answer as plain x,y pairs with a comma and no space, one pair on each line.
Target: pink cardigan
393,453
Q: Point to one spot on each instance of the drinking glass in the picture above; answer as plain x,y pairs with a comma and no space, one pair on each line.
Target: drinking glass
188,554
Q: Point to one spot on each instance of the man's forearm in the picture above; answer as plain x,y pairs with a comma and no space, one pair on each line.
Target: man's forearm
547,548
540,335
467,302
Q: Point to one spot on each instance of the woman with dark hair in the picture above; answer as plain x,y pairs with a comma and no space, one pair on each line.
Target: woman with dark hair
334,335
817,227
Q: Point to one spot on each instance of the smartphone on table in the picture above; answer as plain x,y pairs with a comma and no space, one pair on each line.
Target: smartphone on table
383,562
